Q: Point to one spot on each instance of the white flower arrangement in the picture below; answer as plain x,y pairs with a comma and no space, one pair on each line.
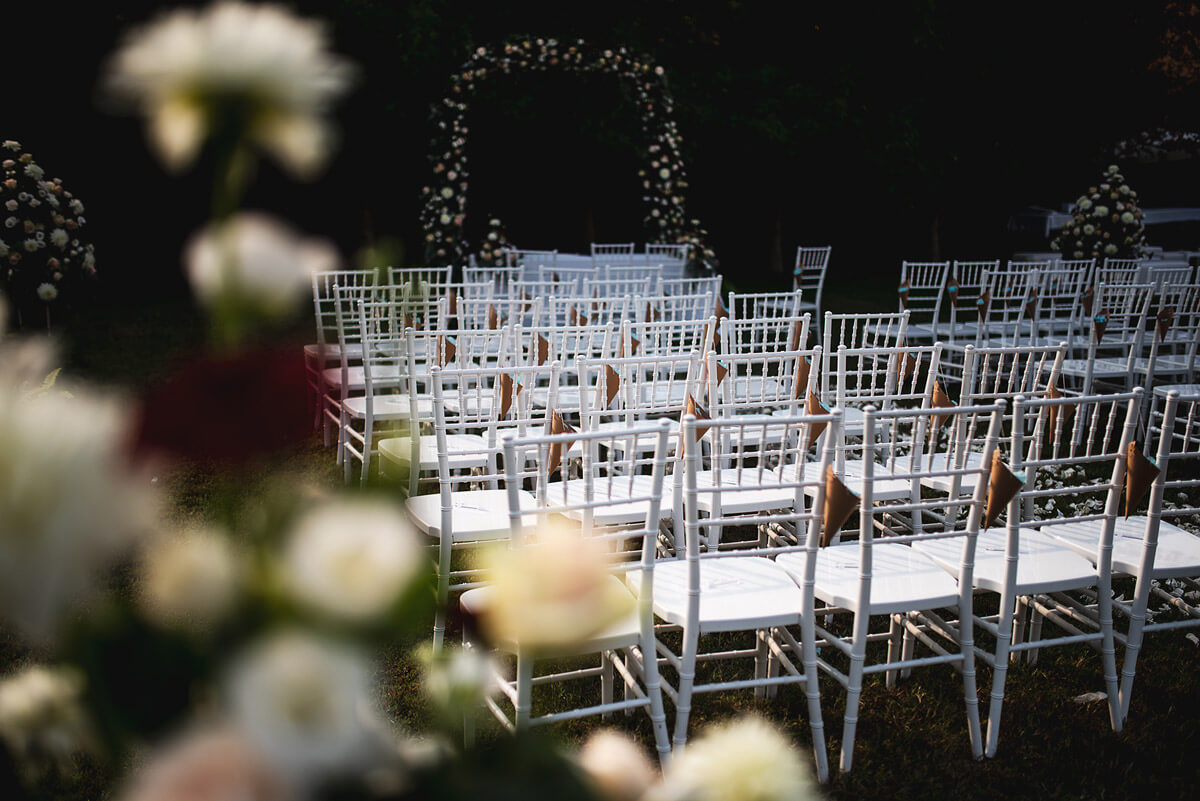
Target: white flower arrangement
1095,228
260,65
29,269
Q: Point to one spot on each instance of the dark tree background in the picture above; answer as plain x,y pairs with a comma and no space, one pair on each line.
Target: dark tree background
898,130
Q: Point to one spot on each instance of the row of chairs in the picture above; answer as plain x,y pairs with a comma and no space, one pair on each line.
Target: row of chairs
918,579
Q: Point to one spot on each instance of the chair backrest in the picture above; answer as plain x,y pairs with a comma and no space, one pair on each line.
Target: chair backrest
536,288
1060,298
1089,434
668,308
870,330
567,275
499,275
1120,271
347,325
636,286
668,252
898,376
606,254
1009,307
499,311
325,305
1175,431
582,310
667,337
1026,266
758,335
809,273
398,276
691,286
997,373
1168,274
531,260
758,383
922,284
633,272
625,390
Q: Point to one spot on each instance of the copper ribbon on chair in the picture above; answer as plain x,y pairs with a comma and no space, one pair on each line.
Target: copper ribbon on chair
794,337
507,393
814,406
447,349
1099,325
1086,298
493,318
840,503
722,371
983,303
1003,486
797,277
1031,303
902,290
1140,473
453,309
633,346
554,459
1162,322
1052,412
700,413
952,291
906,364
940,400
800,380
612,384
652,315
543,350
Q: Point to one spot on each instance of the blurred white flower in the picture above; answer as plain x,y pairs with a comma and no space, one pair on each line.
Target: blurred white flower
352,559
10,222
47,292
1127,217
35,172
617,766
743,760
552,592
59,238
41,715
11,144
76,206
457,680
304,703
1089,229
189,578
218,765
257,67
1110,250
258,259
68,503
1101,211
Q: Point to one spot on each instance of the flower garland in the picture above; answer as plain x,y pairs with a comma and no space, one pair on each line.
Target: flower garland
664,179
1105,222
40,240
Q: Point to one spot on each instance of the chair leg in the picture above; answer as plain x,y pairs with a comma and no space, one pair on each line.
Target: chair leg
606,682
443,592
858,656
1035,635
687,679
1133,640
524,690
909,644
999,671
966,637
1108,655
893,654
658,714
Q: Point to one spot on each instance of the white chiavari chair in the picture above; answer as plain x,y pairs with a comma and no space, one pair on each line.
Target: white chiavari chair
326,351
920,291
876,570
608,254
743,590
625,648
1023,563
1115,333
808,276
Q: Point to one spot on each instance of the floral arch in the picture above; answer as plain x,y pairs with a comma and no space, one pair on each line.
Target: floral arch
663,176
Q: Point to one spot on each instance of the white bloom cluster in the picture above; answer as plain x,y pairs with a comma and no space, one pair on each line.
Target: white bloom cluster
352,559
68,504
41,714
189,579
190,69
257,259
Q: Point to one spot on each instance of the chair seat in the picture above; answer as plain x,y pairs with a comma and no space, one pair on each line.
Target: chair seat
463,451
901,578
885,489
390,407
1164,365
332,351
474,514
566,399
1100,367
355,377
766,493
1178,552
622,633
966,484
619,513
1044,565
736,593
1182,389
